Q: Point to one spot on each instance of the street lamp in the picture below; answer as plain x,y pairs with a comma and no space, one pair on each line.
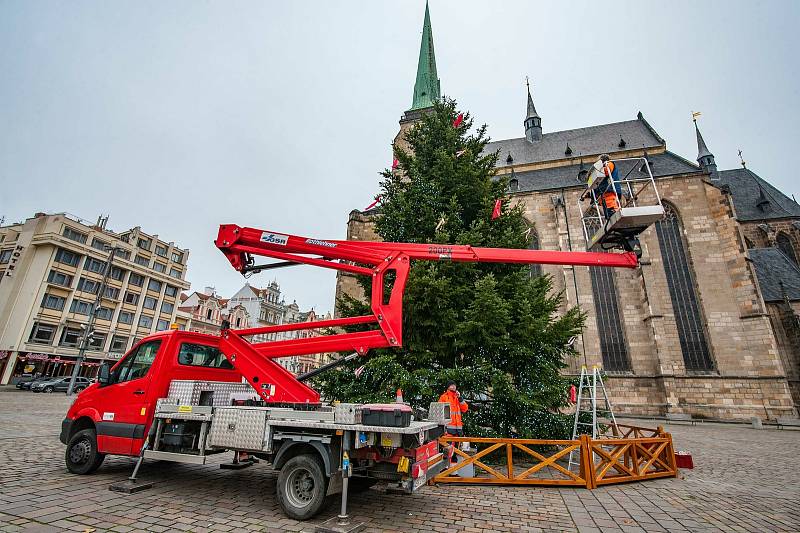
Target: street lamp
88,332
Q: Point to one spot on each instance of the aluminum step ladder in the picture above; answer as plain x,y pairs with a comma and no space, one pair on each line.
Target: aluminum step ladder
586,402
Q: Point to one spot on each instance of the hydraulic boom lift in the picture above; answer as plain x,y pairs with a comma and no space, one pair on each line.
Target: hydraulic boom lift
374,259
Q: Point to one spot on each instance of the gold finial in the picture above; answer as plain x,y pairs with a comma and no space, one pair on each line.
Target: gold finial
695,114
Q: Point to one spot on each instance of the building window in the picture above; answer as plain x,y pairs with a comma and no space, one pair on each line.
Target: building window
145,321
131,298
143,243
683,292
154,285
238,322
51,301
73,235
5,256
136,280
125,317
167,307
177,257
104,313
161,325
80,307
171,291
70,337
175,273
97,244
513,185
150,302
613,347
97,341
161,250
88,285
142,260
208,314
59,278
118,343
123,254
94,265
785,245
68,258
111,293
116,273
535,270
42,333
159,267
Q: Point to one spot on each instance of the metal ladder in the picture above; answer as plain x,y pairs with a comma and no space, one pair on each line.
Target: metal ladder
589,383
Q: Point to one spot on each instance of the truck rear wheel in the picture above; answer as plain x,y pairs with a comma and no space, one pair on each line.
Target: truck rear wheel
301,488
82,456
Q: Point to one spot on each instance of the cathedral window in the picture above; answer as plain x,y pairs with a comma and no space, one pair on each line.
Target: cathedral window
613,347
785,245
683,292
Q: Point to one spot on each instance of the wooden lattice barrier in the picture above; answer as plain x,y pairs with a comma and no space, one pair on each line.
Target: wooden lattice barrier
632,454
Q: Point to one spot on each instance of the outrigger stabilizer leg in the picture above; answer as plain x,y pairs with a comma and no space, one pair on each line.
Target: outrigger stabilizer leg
130,485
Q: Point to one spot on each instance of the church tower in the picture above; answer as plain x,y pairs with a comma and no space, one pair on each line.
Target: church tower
533,122
704,156
427,88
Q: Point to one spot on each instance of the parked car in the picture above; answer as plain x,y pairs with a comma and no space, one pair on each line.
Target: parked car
60,384
27,382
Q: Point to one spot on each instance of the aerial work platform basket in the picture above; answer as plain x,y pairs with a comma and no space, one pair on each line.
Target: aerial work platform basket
638,204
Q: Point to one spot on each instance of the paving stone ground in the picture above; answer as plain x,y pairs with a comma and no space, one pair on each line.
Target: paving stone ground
744,480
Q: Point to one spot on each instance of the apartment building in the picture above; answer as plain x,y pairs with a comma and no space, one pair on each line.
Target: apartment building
51,269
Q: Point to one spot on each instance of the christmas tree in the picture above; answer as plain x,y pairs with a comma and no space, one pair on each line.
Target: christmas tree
492,328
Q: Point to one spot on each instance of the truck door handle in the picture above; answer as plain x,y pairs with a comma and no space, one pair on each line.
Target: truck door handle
139,391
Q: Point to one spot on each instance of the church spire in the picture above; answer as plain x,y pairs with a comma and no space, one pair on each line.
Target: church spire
533,122
426,88
704,156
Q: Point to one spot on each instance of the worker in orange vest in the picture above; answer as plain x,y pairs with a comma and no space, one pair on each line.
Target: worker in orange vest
457,406
610,187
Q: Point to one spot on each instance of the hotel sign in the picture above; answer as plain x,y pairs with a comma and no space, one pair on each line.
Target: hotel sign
12,263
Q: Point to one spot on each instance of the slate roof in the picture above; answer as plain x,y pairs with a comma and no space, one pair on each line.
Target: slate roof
773,267
663,164
743,184
594,140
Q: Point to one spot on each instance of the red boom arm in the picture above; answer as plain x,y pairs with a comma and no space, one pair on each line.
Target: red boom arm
375,259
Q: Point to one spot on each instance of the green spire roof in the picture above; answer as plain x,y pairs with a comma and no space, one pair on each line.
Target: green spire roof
426,89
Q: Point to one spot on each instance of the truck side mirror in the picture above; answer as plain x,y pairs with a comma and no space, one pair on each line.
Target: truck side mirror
104,375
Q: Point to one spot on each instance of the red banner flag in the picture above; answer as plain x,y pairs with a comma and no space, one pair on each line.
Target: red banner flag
395,163
496,211
373,204
459,119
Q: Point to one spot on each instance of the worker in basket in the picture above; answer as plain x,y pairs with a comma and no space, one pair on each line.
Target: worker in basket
609,190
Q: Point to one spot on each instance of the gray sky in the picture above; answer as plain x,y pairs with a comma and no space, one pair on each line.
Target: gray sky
179,116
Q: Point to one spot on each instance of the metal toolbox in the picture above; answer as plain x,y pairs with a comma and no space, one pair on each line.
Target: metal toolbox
347,413
238,428
439,412
213,393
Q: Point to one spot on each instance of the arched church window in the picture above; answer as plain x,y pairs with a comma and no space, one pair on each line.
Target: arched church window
785,245
536,270
683,292
613,346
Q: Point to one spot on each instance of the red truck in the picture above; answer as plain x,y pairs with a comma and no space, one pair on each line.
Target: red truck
183,396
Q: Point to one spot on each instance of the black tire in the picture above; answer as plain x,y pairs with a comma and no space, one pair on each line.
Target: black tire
360,484
49,388
78,389
301,487
82,456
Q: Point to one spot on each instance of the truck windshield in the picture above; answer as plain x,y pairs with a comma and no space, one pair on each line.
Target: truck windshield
138,362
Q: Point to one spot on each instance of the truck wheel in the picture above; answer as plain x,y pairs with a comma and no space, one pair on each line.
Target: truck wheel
82,456
301,487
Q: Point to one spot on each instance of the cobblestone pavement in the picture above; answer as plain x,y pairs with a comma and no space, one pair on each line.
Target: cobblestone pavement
744,480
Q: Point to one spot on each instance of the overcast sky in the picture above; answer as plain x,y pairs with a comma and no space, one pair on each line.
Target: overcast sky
179,116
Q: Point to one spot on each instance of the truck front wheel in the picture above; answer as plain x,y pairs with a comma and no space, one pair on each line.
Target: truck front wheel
82,456
301,487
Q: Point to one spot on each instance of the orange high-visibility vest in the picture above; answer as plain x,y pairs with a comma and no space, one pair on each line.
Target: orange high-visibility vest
456,408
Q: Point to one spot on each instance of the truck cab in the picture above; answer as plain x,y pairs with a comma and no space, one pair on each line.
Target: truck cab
117,410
